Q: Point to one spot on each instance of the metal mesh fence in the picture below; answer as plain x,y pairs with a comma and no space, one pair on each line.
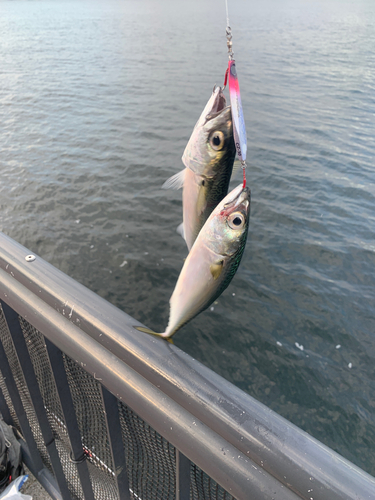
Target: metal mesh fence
19,379
150,459
90,416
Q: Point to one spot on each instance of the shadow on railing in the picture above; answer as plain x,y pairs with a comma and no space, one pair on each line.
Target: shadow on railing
107,412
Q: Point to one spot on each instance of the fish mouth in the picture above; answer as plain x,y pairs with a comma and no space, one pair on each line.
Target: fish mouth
218,103
239,194
240,198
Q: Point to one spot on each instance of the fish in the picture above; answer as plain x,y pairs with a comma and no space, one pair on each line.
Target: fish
208,159
212,261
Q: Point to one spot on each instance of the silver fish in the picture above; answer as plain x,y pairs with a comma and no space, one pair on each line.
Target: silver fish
208,158
212,261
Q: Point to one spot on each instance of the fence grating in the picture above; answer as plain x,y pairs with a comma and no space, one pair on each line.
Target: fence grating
150,459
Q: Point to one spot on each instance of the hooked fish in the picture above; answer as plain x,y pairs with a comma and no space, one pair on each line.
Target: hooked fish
208,158
212,261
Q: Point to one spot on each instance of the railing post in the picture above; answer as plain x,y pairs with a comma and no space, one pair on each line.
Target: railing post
112,418
62,385
4,410
182,476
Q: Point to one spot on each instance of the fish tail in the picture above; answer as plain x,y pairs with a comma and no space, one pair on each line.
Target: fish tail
155,334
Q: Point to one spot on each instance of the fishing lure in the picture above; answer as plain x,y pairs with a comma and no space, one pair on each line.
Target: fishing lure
237,113
239,129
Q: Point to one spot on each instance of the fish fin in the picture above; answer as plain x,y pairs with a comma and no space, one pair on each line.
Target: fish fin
151,332
176,181
216,269
180,230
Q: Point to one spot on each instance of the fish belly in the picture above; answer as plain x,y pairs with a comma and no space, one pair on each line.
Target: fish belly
193,203
195,289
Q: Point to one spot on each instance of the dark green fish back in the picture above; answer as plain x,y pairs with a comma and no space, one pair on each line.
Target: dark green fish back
231,267
217,186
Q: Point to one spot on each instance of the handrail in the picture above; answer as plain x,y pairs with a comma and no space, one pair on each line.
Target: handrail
243,445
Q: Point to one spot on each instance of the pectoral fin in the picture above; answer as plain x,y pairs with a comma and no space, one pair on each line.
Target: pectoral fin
216,269
176,181
180,230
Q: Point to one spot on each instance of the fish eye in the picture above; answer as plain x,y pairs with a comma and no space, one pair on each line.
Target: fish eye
217,140
236,220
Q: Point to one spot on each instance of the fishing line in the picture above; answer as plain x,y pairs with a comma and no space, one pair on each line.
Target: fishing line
239,129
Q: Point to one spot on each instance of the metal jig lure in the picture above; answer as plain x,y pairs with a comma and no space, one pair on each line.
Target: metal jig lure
239,129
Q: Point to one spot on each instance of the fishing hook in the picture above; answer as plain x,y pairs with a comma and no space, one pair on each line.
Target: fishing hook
225,80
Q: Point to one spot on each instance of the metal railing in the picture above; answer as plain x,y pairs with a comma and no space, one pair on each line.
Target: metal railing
108,412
